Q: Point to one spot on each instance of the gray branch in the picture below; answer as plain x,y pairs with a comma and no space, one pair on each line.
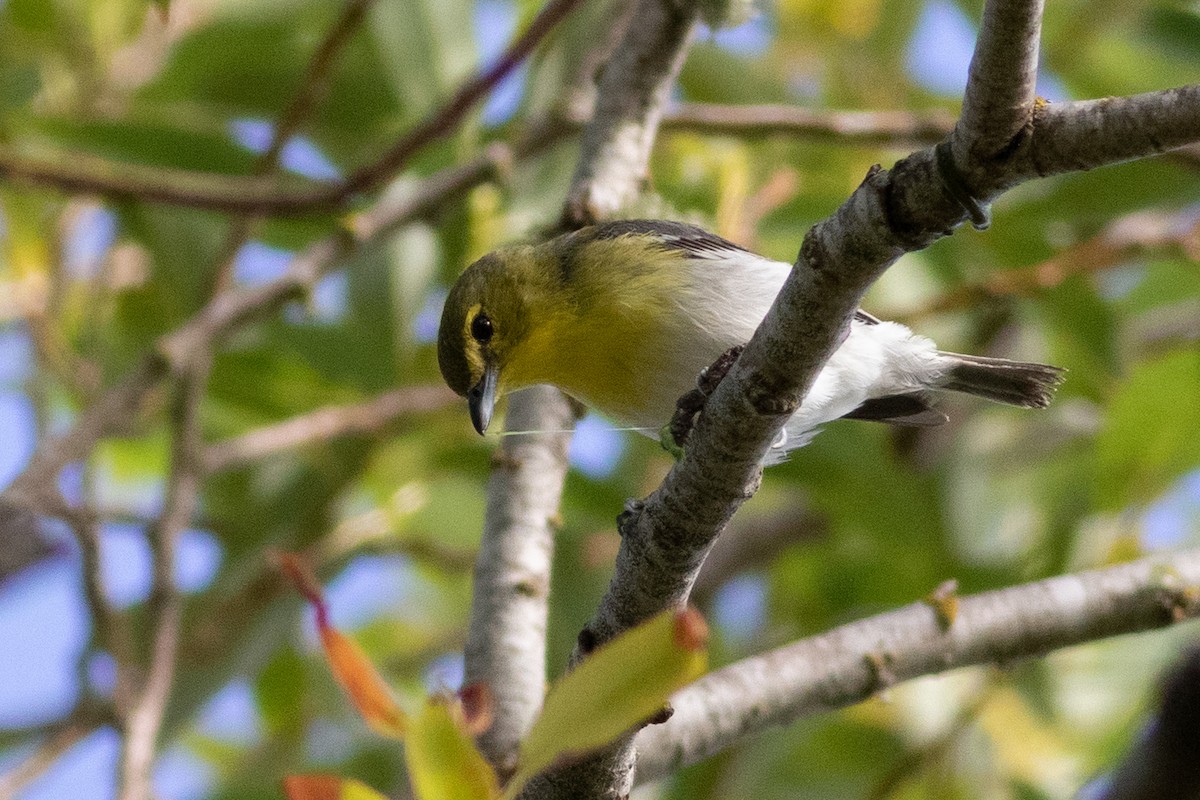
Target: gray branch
611,171
632,93
1002,81
1091,133
851,663
666,538
506,638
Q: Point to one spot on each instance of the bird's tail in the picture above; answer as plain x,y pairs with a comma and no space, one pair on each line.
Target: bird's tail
1017,383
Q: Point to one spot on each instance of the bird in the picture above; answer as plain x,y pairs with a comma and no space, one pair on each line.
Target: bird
624,315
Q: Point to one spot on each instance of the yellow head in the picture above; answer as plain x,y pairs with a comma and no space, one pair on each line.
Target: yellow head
596,312
489,314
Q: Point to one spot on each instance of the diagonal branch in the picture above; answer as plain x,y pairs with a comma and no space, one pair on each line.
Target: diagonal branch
854,662
315,81
665,538
269,196
57,739
34,487
633,92
444,120
324,424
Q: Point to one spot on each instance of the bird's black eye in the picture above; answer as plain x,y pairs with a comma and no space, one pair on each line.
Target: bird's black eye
481,328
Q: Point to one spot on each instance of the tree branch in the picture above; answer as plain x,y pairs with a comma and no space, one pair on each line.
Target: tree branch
1142,232
506,636
142,720
1069,137
58,739
838,127
35,487
633,91
609,174
260,196
1001,82
666,538
324,424
853,662
315,82
442,121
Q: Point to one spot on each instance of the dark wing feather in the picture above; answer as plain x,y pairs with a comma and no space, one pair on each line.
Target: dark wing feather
913,410
692,240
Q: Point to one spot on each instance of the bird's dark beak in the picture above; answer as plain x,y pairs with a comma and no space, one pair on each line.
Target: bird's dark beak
481,399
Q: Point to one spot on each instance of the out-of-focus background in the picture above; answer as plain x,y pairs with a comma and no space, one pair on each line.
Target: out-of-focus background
1096,272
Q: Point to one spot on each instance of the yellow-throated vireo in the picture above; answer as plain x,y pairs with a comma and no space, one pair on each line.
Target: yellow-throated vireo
624,315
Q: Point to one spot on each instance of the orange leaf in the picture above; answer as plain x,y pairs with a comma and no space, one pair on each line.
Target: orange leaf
357,675
327,787
350,665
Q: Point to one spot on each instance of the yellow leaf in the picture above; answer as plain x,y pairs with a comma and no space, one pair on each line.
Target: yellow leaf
622,684
443,763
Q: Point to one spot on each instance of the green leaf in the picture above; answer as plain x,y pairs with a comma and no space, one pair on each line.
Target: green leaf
1152,434
145,140
622,684
443,763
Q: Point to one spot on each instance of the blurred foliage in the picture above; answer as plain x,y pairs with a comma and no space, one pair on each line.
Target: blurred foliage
997,497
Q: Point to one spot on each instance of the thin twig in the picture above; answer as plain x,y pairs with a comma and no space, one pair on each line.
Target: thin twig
315,81
326,424
121,404
442,121
836,127
272,196
142,721
853,662
313,86
58,739
1126,238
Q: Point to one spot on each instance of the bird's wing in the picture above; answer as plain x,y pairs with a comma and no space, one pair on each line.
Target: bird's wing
695,242
690,239
912,410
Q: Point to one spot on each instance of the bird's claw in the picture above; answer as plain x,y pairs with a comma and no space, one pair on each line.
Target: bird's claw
675,435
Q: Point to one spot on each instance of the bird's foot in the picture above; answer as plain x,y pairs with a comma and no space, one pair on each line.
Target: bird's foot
675,435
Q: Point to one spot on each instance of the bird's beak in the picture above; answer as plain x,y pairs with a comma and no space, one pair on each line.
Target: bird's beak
481,399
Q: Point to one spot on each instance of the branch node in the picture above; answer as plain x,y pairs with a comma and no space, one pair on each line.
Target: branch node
765,399
662,715
944,602
627,519
879,665
586,641
956,187
1178,598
